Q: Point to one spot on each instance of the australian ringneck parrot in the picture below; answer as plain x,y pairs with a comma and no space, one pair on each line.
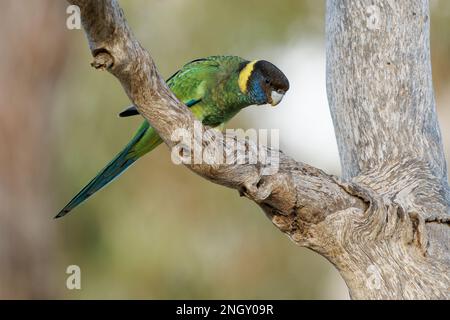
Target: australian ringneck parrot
214,89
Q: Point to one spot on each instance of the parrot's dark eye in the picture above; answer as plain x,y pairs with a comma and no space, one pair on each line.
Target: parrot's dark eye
267,81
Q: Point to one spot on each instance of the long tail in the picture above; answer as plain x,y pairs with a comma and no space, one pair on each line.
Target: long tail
145,140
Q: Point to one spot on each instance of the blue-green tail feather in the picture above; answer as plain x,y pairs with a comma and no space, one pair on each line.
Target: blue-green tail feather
113,170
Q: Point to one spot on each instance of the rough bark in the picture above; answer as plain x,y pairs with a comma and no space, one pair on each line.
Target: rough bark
385,224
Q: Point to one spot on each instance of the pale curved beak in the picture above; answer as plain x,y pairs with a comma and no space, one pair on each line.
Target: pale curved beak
276,97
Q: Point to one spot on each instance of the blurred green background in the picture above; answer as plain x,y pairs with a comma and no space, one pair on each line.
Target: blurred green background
159,231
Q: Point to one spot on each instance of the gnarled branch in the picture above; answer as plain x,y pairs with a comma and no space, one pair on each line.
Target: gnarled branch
374,223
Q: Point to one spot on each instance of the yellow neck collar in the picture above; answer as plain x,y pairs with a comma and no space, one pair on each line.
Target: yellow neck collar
245,74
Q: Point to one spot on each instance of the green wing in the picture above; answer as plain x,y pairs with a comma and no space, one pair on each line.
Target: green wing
190,84
192,81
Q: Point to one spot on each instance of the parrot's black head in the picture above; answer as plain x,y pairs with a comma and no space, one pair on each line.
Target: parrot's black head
263,82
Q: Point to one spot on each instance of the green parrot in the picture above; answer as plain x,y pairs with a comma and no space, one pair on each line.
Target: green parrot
215,89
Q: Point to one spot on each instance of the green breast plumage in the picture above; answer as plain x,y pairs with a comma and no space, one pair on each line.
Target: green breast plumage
213,83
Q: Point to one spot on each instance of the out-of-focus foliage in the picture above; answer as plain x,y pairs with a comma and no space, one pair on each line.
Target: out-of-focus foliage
160,231
440,45
440,59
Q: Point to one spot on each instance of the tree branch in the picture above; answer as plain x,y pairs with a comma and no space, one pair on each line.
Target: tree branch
295,188
351,223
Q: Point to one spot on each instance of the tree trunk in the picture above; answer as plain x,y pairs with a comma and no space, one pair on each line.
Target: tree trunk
385,224
382,102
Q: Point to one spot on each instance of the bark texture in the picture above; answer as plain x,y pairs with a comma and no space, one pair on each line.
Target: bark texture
384,225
